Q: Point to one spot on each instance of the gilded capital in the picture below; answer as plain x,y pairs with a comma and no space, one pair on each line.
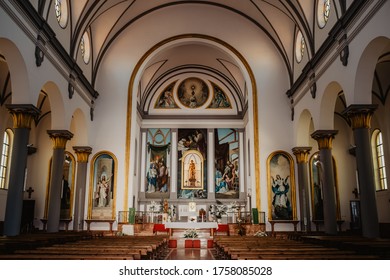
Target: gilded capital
23,114
302,154
324,138
360,115
60,137
82,153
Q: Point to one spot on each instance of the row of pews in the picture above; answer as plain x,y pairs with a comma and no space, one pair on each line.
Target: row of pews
271,248
96,247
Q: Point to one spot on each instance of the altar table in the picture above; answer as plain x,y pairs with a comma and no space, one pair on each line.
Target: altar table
191,225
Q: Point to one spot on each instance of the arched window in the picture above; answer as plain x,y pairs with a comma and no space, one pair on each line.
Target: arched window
379,160
5,159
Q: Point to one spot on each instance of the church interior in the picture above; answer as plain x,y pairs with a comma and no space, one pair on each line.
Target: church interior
153,122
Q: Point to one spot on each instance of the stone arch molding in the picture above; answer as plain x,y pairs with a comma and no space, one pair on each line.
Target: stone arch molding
366,68
18,72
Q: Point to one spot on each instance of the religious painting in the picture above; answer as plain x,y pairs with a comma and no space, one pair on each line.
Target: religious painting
192,163
193,93
67,188
166,99
220,99
281,186
158,163
192,170
103,187
226,163
317,199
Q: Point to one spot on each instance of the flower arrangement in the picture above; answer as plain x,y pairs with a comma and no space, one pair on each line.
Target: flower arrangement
154,206
190,233
218,210
260,234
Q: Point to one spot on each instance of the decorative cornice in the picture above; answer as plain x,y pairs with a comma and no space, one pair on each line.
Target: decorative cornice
60,137
360,115
23,114
82,153
301,153
324,138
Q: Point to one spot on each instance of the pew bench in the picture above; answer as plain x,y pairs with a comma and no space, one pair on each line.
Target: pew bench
273,222
317,223
89,221
66,222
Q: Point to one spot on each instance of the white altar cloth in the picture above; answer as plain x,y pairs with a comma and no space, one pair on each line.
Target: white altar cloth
191,225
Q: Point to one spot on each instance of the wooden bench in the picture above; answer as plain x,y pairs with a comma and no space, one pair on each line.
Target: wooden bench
273,222
317,223
89,221
64,221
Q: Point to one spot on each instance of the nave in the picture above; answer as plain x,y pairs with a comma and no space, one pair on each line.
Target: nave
103,246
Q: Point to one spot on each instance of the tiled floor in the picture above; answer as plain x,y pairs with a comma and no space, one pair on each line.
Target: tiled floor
190,254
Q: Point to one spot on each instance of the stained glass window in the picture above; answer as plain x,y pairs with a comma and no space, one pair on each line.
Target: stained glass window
5,155
61,12
323,12
85,48
300,46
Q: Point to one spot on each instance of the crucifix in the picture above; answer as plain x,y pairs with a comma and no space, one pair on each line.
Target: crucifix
30,190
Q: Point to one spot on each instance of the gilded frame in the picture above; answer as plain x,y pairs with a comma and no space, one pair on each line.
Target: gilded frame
192,180
106,211
281,204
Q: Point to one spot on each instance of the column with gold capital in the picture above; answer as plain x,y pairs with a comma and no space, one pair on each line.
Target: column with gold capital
59,138
302,153
82,153
22,116
324,139
360,117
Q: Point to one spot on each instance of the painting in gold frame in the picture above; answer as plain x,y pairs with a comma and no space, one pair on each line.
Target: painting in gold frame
281,186
102,186
192,170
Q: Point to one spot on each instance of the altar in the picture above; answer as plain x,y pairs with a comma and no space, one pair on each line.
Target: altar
191,225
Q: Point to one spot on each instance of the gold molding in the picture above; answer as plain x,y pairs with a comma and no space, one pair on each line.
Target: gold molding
302,154
255,106
360,115
23,115
292,184
324,138
82,153
59,138
91,181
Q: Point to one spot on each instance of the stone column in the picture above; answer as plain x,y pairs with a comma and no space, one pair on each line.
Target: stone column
143,161
211,164
324,139
82,161
22,116
360,116
302,154
59,137
173,171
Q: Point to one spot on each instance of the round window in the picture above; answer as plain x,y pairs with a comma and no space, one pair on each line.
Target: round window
300,46
61,10
85,47
323,11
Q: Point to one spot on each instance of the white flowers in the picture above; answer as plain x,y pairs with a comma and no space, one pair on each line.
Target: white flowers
260,234
190,233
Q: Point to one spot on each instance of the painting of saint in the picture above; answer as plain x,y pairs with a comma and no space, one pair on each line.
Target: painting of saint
192,171
158,163
193,93
166,99
226,163
220,99
281,191
103,192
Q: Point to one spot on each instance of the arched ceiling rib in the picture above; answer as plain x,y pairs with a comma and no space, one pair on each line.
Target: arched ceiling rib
108,19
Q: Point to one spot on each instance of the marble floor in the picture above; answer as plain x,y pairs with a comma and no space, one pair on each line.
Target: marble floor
190,254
